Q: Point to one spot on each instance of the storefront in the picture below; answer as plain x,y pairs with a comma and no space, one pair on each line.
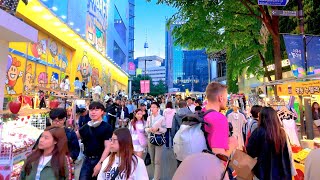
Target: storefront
59,51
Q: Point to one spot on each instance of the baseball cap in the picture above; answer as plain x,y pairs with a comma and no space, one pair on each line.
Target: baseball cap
96,105
142,104
200,166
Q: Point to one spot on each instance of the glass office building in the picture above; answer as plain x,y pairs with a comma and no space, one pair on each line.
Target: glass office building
185,69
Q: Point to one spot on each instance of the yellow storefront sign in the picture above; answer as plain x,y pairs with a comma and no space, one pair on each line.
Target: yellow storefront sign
58,52
299,88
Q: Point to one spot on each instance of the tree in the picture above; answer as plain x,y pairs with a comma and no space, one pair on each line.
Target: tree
155,90
221,15
136,82
158,89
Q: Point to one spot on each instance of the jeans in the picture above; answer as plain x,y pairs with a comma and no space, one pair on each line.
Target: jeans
156,155
169,137
87,168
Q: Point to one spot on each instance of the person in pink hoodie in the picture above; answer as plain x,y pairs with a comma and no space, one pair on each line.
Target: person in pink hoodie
168,114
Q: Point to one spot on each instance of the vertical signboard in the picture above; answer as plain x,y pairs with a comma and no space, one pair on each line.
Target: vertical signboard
313,52
145,86
295,51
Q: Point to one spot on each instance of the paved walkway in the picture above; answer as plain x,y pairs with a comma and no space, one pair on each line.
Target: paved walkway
168,166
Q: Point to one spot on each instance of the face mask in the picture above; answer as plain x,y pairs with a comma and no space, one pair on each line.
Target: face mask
94,124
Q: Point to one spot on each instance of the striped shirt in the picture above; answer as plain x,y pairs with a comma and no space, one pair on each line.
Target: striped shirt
42,163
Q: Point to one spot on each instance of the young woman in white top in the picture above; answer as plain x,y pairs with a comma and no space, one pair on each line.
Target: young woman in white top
156,124
49,160
122,163
136,127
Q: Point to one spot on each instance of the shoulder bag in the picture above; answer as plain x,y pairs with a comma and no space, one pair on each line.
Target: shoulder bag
156,139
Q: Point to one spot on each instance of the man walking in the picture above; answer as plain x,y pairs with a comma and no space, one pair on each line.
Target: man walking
95,137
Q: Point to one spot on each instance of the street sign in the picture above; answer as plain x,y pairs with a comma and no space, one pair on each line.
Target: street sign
284,13
273,2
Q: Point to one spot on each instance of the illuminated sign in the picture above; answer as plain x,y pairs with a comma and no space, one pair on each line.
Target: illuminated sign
284,63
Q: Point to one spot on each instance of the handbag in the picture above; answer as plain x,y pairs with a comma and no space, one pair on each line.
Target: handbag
157,139
147,159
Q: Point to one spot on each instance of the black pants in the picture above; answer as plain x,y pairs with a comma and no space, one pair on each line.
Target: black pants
112,121
169,137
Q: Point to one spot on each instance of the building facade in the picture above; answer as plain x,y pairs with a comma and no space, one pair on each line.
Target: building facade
156,73
185,69
153,66
72,40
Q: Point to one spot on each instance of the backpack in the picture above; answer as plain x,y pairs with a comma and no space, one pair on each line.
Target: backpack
246,131
191,137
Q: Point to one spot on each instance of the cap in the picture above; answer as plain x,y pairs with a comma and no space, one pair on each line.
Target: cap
142,104
200,166
96,105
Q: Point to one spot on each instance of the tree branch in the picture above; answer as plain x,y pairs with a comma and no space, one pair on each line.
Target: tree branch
244,2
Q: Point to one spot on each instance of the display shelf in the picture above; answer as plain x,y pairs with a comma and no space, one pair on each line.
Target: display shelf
17,158
27,112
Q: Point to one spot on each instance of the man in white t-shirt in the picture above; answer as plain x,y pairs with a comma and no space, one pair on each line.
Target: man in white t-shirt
190,104
96,92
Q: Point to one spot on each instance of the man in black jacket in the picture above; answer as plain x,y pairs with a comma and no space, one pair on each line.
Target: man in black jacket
58,117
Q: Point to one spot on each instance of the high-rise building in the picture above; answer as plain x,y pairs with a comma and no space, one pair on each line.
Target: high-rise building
186,69
153,67
131,31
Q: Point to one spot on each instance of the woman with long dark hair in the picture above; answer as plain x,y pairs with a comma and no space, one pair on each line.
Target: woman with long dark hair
122,163
315,113
123,114
168,114
268,143
136,128
49,160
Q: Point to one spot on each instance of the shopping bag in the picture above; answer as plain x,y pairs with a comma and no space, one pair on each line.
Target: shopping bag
147,159
243,164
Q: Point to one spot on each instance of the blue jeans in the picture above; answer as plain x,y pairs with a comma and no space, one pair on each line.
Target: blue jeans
169,137
87,169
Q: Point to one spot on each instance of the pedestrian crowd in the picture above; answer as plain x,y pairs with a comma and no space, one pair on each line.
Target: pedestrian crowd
120,137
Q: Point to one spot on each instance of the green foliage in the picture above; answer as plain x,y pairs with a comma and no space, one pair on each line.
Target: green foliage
155,90
158,89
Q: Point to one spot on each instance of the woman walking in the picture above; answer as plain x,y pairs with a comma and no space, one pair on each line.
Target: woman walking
49,160
316,114
122,163
268,144
156,126
168,114
136,128
123,114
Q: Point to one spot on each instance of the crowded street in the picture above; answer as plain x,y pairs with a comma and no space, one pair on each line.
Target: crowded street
159,90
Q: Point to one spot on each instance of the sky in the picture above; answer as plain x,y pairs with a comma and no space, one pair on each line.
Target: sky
150,18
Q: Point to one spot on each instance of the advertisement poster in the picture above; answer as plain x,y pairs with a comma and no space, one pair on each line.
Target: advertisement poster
313,52
96,24
145,86
295,51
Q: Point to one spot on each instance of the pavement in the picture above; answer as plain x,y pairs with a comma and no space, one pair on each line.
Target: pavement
168,166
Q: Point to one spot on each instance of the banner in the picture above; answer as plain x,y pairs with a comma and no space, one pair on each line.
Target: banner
145,86
131,68
295,51
299,88
313,52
